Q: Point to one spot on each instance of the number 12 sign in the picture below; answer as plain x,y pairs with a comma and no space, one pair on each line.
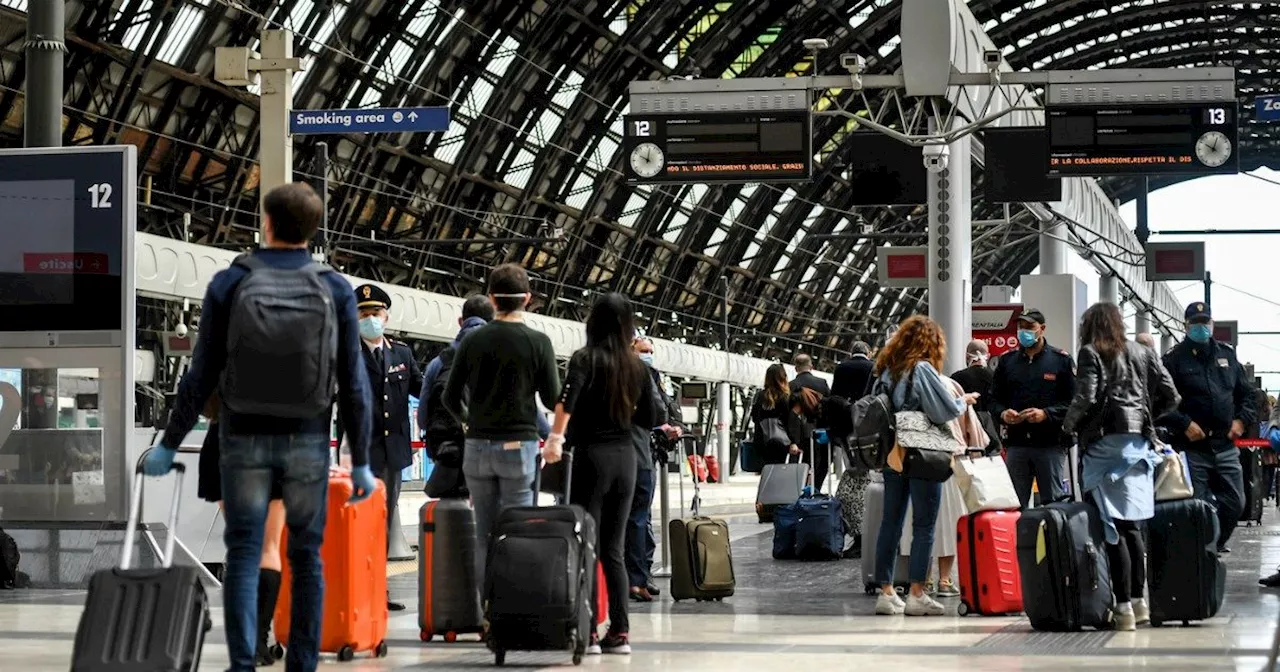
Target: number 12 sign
1267,108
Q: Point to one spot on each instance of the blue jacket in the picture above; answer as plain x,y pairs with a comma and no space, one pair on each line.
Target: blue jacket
928,394
210,357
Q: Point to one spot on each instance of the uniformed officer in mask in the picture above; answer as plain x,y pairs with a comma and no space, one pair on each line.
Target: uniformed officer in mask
1217,407
393,375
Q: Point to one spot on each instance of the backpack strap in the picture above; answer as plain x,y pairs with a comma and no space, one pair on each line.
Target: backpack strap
250,262
316,268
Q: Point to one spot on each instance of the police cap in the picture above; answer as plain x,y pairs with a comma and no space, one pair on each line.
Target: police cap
1198,311
369,297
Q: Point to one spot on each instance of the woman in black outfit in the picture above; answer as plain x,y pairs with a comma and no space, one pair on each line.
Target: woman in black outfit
777,405
209,488
606,392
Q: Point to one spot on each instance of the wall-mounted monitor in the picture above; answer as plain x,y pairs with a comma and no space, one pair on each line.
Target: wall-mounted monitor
884,171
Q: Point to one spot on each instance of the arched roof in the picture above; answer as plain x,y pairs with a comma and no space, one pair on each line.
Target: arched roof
538,90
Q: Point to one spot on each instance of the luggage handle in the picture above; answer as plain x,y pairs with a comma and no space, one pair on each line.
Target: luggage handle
566,456
696,503
135,513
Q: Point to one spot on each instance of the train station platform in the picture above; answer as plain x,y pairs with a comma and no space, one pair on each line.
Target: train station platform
785,615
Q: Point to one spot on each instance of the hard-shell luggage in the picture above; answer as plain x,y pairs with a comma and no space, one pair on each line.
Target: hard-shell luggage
780,484
811,528
541,577
1254,486
143,620
1187,580
987,546
354,555
449,590
872,516
1066,581
701,556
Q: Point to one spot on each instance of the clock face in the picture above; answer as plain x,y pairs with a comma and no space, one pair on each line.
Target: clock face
647,159
1213,149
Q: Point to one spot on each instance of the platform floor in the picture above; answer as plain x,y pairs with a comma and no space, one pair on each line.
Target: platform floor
782,610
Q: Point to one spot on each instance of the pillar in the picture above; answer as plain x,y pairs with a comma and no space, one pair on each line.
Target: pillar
950,253
1142,323
724,419
1053,248
1166,343
1109,289
275,154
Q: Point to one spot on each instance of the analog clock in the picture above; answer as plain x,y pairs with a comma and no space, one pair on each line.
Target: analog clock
647,159
1213,149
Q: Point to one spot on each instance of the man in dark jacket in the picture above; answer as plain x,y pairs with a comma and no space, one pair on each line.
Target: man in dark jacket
1030,392
977,377
852,377
1217,407
640,544
810,390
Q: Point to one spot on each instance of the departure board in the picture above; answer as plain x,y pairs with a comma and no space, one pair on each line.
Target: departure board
718,147
1143,139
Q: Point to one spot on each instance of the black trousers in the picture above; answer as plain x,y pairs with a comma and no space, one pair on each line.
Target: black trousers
1128,561
604,482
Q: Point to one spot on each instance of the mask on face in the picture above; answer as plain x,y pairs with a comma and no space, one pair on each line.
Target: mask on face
647,358
371,328
1199,333
1027,338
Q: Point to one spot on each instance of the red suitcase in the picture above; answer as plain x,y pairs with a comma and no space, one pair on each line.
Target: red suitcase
987,543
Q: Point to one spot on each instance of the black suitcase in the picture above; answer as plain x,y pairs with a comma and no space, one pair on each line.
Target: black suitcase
1066,582
1186,579
448,588
1254,485
540,578
143,620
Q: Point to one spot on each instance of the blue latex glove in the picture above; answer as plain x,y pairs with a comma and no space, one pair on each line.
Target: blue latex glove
159,461
362,479
821,436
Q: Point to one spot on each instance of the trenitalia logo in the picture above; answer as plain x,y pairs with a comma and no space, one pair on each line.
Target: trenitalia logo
61,263
992,319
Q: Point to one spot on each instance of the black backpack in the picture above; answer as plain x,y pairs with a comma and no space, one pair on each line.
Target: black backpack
282,342
874,430
9,557
440,422
837,412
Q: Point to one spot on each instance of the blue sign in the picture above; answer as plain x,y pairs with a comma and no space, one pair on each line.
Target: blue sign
1267,108
372,120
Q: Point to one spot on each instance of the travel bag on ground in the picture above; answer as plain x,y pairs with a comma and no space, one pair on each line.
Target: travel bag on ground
541,577
872,516
811,528
1254,487
987,550
701,556
751,457
780,484
448,588
354,555
1186,579
142,620
1066,581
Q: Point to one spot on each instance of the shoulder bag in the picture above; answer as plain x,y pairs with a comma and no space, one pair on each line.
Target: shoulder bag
924,449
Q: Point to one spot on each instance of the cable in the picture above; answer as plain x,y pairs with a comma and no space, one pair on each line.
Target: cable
1248,294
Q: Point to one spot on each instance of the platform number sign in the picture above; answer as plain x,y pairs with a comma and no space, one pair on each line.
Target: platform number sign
100,196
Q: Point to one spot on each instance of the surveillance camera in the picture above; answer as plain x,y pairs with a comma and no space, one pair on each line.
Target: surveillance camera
936,158
180,331
992,58
816,44
854,63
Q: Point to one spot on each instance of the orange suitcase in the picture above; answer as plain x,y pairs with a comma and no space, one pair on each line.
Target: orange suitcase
354,554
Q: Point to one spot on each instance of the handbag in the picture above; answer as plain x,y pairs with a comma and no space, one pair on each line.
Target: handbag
1173,476
927,450
771,433
985,484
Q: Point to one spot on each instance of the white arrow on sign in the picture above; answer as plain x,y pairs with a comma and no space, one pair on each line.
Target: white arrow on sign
413,116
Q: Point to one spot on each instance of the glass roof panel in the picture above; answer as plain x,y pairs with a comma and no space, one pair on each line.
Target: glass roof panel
133,36
20,5
180,32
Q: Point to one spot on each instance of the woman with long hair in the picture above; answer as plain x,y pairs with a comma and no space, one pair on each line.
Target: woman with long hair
908,368
779,429
607,391
1120,387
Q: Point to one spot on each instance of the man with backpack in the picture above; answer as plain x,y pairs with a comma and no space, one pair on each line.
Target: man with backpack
276,372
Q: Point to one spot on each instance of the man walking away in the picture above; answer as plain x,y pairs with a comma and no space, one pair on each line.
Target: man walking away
640,544
809,391
1217,407
501,366
276,372
1030,392
852,377
977,377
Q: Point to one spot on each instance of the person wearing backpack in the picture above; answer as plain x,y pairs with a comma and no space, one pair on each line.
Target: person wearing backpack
442,434
276,372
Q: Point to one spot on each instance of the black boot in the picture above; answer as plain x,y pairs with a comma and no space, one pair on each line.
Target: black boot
268,593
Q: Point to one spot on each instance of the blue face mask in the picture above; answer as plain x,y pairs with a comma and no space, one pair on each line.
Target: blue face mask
1027,338
647,358
1199,333
371,328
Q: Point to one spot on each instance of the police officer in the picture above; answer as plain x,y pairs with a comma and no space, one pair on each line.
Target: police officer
1217,406
393,375
1030,392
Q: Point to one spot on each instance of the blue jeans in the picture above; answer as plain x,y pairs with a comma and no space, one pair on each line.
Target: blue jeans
250,465
640,543
499,475
925,498
1218,478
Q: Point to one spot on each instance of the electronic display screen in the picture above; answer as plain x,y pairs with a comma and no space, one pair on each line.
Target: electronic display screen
61,226
1143,139
884,171
718,147
1015,160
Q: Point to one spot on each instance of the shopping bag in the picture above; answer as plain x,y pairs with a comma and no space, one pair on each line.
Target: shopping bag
985,484
1173,477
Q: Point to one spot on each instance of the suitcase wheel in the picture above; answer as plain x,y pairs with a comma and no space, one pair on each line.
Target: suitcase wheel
346,653
277,651
1156,624
962,609
450,637
499,657
426,636
380,651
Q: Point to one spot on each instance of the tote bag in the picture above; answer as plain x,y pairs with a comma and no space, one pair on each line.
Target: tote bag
1173,477
985,484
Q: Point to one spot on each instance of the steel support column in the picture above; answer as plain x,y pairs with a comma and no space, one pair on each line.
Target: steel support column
1167,342
950,253
1109,289
1053,248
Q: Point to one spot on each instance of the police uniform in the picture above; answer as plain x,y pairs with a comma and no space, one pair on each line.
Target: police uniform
1046,381
1215,392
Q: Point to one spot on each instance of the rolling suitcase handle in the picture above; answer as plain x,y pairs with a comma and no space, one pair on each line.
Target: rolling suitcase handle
696,504
567,460
135,513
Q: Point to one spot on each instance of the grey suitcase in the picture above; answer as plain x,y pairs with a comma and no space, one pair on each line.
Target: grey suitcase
780,484
872,515
448,588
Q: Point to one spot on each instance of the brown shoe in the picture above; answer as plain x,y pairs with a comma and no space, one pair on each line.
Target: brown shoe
640,595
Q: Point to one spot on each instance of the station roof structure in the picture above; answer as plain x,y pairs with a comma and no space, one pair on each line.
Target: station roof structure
537,92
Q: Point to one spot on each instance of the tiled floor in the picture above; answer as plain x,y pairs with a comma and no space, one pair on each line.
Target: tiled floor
785,615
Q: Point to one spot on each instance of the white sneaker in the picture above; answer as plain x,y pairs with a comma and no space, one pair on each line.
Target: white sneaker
1141,612
923,606
889,605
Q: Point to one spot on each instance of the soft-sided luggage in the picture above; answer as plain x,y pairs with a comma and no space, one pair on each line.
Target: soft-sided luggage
872,516
143,620
987,543
354,554
1187,580
811,528
751,457
1254,487
541,577
1066,582
780,484
701,556
449,590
